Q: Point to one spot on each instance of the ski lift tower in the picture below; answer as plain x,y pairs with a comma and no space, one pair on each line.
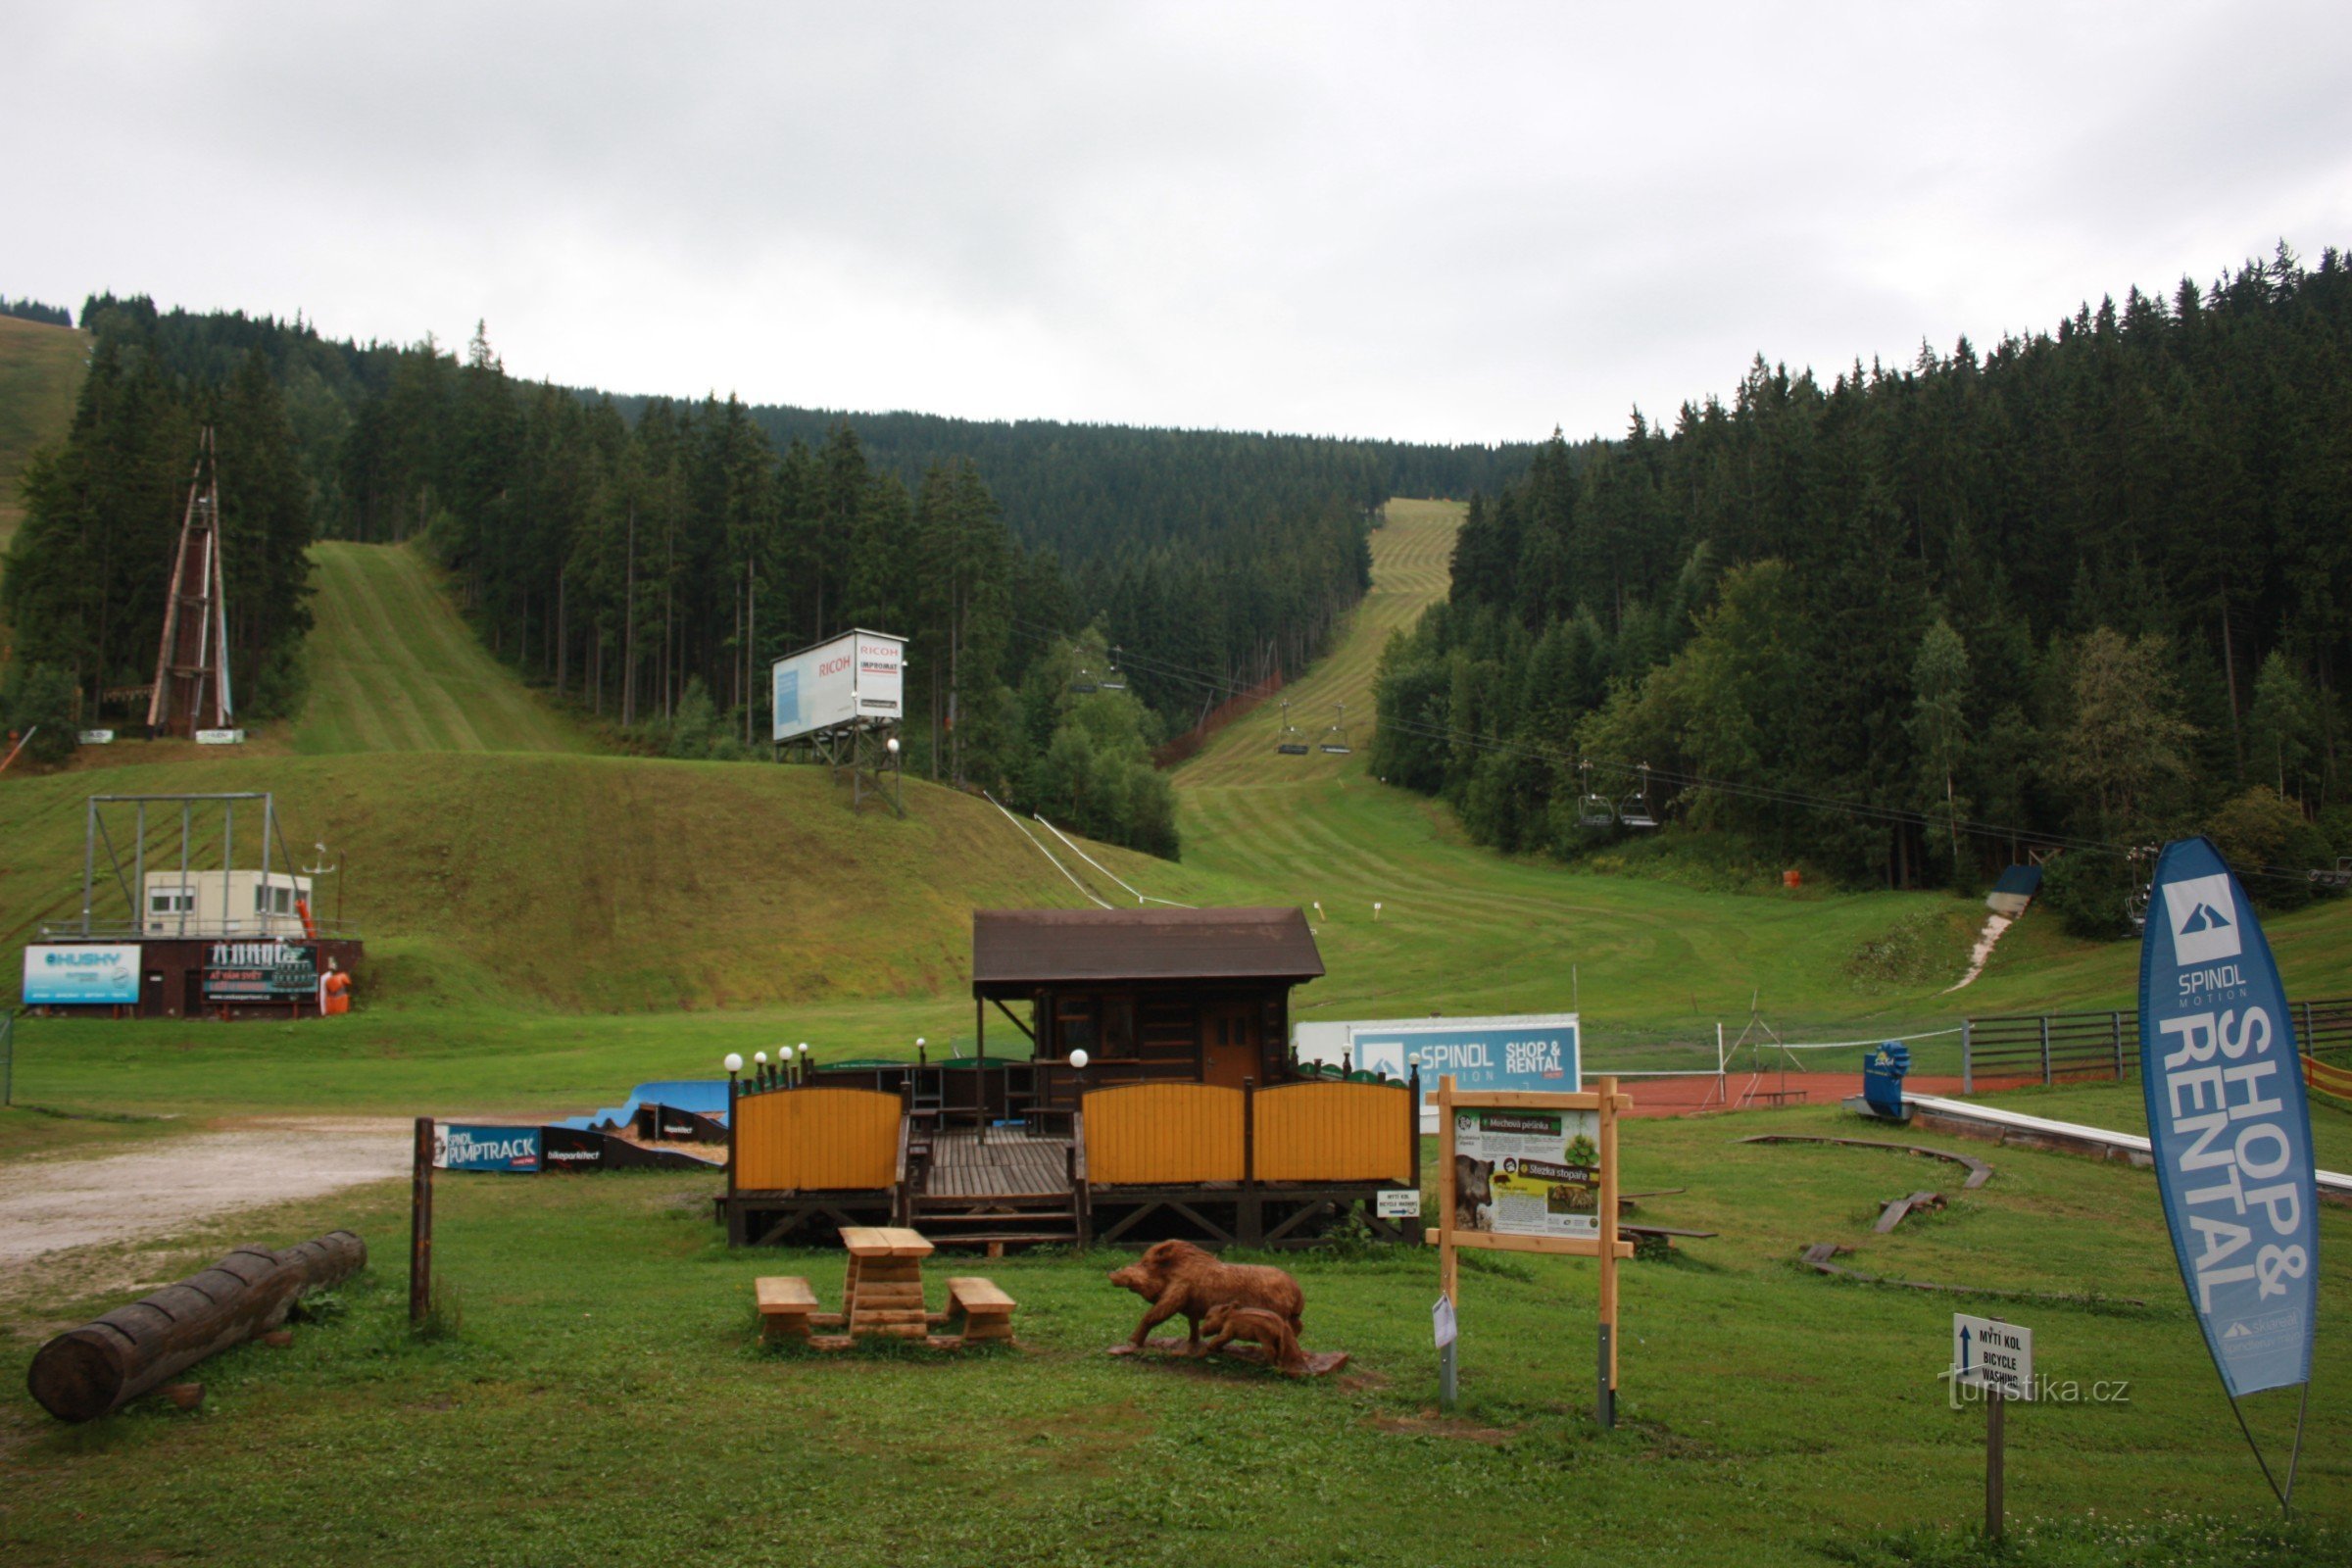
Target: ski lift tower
839,703
192,664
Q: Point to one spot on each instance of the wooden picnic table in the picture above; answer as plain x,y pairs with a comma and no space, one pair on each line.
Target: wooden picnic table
884,1291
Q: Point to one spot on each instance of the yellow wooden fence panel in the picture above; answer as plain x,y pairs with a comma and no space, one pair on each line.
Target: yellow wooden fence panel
1333,1133
816,1139
1163,1135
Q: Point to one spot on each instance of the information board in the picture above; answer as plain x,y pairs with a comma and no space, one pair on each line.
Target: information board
1527,1172
81,974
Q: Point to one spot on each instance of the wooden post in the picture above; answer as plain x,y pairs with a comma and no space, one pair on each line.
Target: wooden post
420,1225
1412,1148
1993,1455
1448,1280
1608,1254
2118,1046
1967,1056
734,1115
2047,1079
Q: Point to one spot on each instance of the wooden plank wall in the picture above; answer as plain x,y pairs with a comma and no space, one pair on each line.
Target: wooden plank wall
1147,1135
1333,1133
828,1139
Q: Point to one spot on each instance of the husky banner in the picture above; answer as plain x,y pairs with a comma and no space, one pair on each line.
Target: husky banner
2228,1121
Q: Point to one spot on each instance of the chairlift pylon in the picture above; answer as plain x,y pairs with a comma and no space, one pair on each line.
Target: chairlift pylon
1336,739
1293,740
1635,812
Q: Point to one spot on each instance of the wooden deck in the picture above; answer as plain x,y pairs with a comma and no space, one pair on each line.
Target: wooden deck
1011,1164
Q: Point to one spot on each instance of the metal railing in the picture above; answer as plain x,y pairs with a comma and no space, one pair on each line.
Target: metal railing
2066,1045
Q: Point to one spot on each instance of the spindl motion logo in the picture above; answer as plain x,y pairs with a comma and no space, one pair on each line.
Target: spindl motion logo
2205,919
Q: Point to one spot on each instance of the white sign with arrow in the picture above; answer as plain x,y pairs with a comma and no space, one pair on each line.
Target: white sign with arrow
1993,1354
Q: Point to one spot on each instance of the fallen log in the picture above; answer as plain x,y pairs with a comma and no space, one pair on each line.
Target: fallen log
85,1372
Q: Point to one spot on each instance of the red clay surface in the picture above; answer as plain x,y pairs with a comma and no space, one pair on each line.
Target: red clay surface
1696,1093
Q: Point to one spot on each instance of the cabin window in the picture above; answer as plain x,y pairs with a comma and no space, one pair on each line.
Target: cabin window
1077,1025
170,900
273,900
1118,1028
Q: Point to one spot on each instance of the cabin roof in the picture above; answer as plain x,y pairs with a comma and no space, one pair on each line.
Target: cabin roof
1021,947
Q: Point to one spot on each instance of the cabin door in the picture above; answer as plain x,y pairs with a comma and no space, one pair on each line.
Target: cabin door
1230,1030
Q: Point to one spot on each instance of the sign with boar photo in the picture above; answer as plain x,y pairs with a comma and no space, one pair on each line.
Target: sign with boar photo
1527,1172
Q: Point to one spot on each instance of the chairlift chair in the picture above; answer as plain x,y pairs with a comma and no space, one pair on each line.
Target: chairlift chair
2136,902
1336,739
1113,678
1594,811
1293,740
1635,812
1085,681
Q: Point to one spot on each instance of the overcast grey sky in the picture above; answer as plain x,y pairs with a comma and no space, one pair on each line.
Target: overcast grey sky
1457,223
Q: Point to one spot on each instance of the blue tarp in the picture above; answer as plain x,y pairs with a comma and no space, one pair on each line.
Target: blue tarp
704,1097
2021,879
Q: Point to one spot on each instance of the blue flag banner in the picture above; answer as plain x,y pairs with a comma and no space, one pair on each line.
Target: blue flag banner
2228,1119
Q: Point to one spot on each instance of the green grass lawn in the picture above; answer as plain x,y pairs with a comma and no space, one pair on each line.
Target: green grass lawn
603,1400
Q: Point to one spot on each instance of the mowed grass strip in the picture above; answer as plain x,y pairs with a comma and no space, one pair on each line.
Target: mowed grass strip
41,369
394,667
604,1400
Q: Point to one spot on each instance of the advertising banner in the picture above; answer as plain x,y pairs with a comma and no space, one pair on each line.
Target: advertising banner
1527,1172
1538,1052
82,975
881,676
457,1147
815,689
2227,1117
260,971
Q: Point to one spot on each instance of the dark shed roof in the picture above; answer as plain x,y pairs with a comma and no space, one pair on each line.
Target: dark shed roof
1021,947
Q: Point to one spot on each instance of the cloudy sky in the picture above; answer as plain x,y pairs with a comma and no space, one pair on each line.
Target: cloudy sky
1454,222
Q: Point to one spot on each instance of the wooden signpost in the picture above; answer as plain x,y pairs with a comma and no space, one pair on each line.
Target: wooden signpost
421,1226
1545,1169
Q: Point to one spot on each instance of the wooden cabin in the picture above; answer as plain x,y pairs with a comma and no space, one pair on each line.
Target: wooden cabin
1192,996
1189,1118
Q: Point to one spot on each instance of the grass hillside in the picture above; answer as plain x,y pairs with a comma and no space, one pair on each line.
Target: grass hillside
1463,929
599,884
40,375
395,669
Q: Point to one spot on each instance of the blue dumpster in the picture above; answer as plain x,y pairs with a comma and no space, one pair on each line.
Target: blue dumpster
1882,1076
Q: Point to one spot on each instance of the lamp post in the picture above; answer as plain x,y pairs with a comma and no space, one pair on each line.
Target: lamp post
800,1065
733,1062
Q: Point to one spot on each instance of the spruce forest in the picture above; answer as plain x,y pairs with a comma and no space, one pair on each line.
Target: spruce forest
2082,589
646,559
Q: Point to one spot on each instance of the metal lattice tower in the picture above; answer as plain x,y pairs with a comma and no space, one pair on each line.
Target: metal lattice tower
191,661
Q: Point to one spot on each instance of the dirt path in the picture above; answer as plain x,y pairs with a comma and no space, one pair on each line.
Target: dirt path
53,1201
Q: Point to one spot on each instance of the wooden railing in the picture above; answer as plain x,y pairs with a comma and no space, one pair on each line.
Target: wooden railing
1170,1135
817,1140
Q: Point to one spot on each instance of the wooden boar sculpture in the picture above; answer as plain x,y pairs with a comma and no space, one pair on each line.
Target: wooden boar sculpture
1179,1279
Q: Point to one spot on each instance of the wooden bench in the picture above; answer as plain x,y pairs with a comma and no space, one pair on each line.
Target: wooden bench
985,1312
786,1305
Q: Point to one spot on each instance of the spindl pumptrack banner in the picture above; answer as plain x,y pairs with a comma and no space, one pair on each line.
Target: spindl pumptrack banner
2228,1118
